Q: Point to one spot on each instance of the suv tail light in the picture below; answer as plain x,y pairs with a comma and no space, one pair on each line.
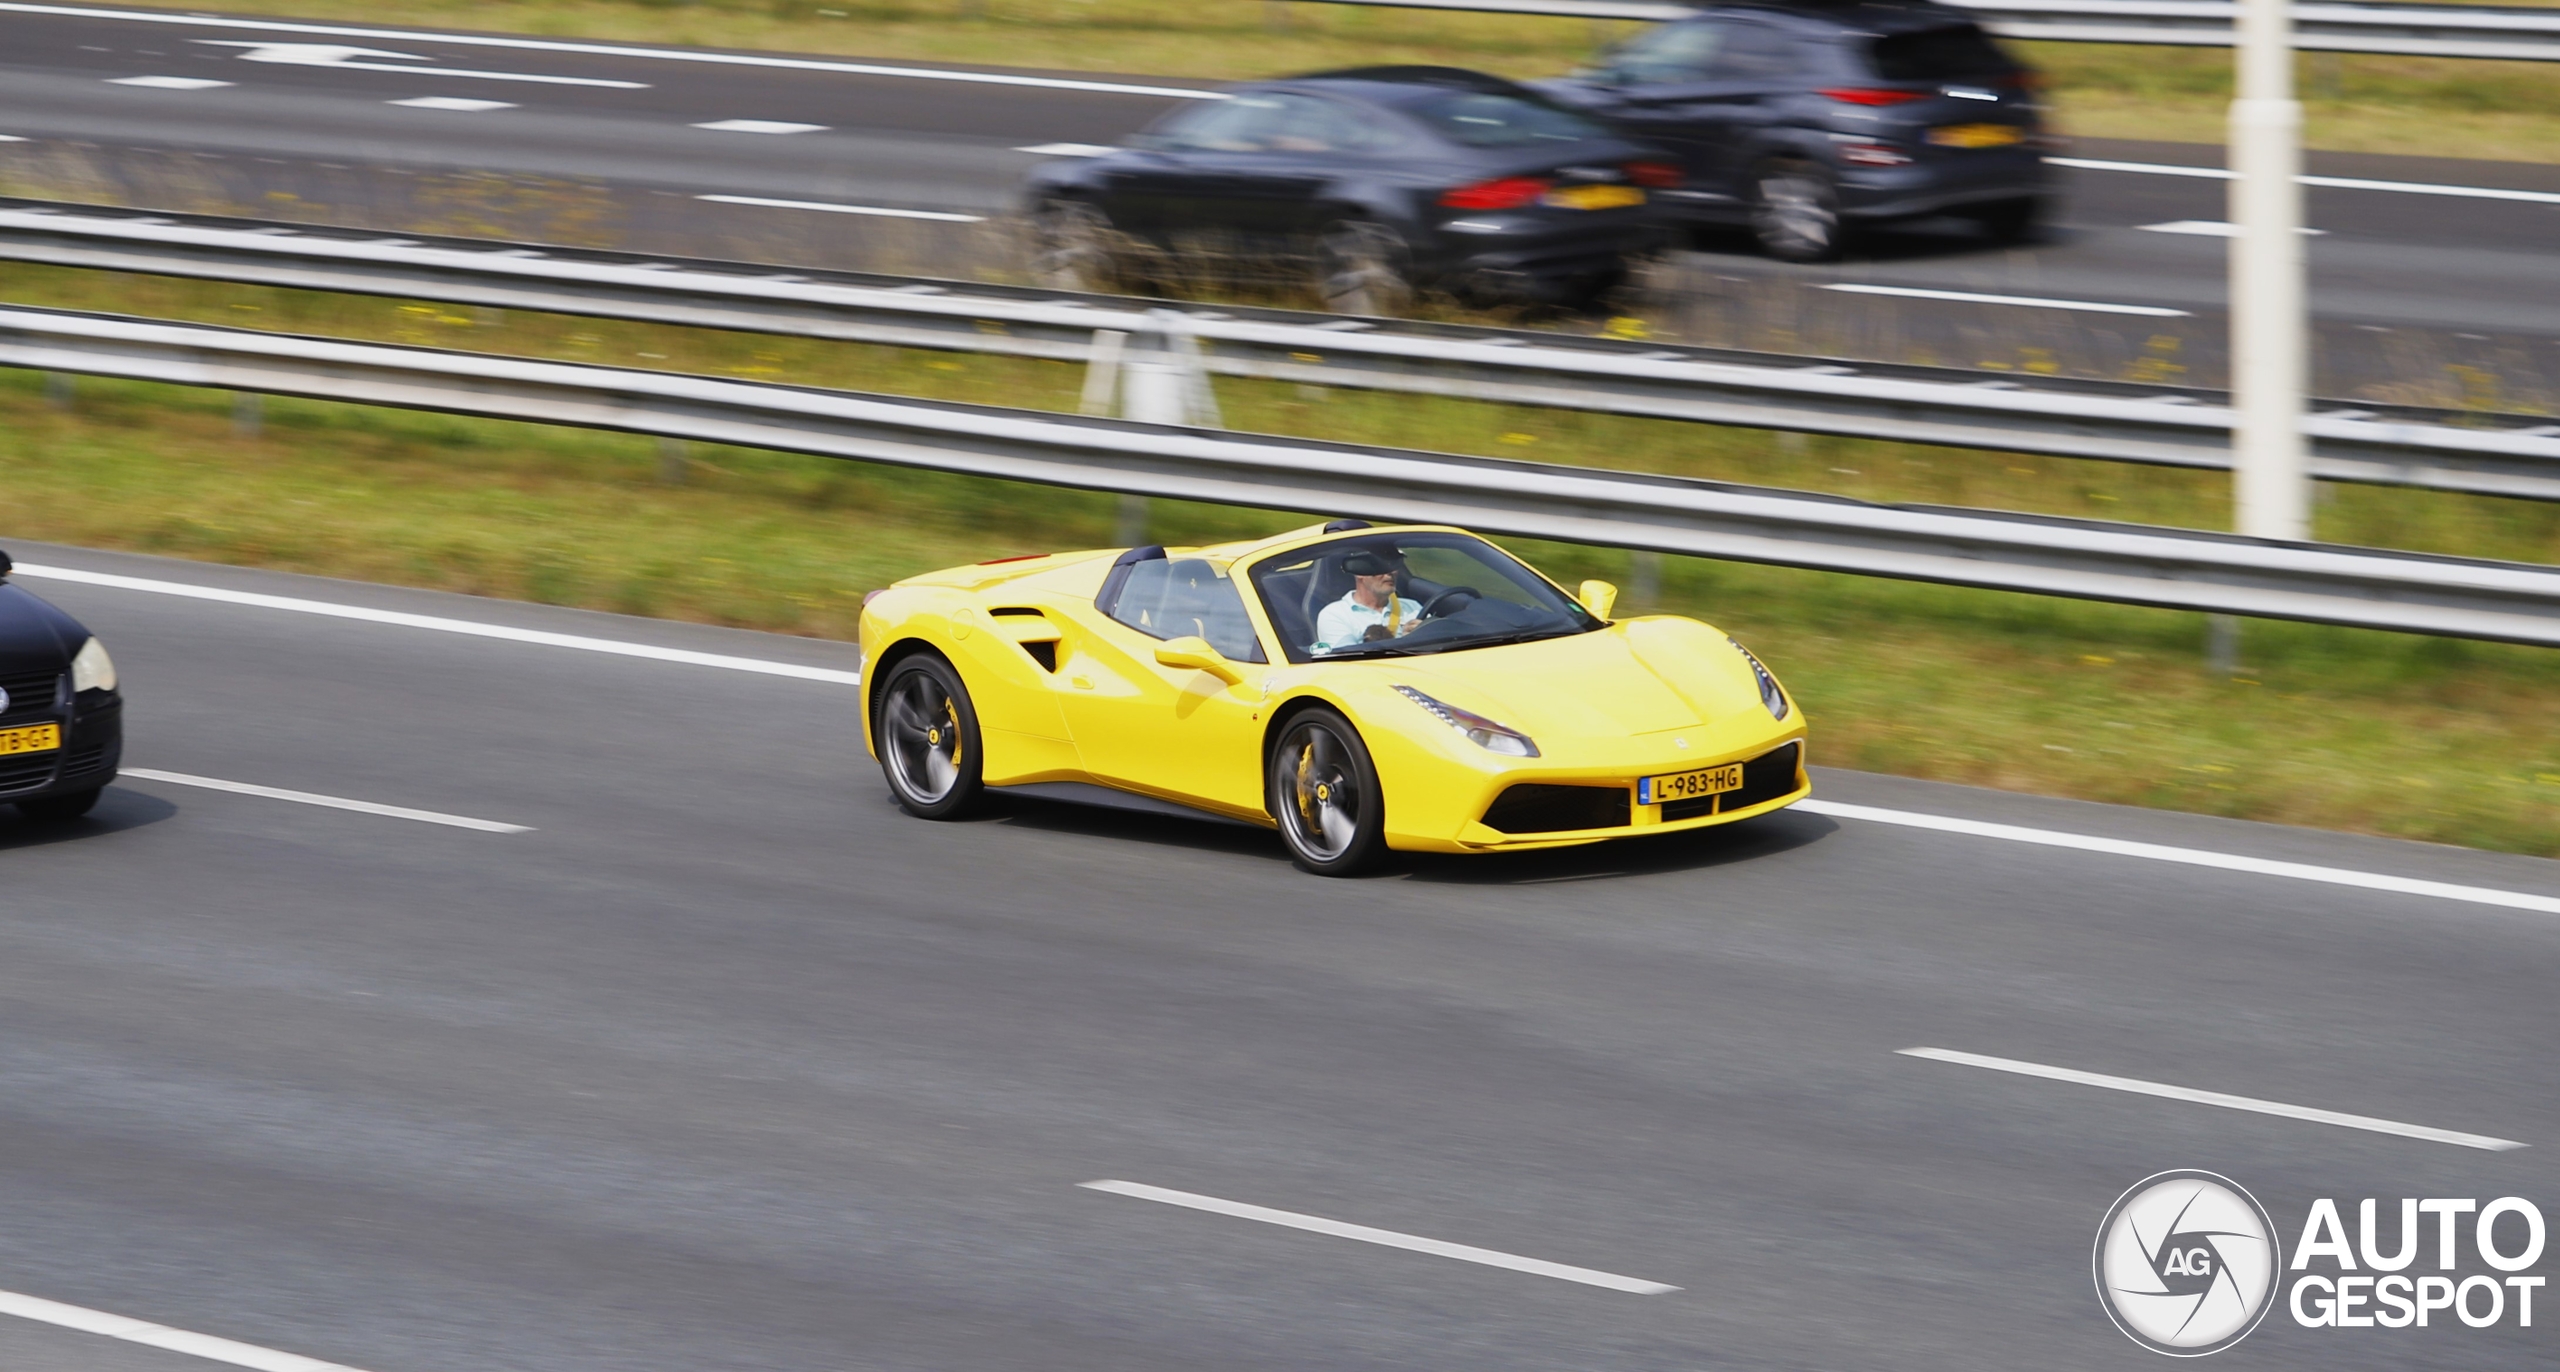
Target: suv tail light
1501,193
1861,95
1660,176
1873,155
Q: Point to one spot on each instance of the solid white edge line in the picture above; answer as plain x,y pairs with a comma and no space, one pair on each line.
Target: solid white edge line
161,1336
2192,857
945,216
1976,298
365,807
1315,1224
2338,183
2211,228
2249,1103
1068,149
765,126
477,40
168,83
439,624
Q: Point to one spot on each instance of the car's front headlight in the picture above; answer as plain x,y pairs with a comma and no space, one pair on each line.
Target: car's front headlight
1482,732
1770,696
92,669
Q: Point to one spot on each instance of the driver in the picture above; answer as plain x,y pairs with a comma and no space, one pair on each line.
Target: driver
1372,610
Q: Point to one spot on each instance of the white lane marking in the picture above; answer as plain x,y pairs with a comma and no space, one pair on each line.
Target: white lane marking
1971,297
439,624
161,1336
2249,1103
455,103
2338,183
876,210
1068,149
731,59
759,126
168,83
2208,228
1388,1237
333,55
363,807
2192,857
13,138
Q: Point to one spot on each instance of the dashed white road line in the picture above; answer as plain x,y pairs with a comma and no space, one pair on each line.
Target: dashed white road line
759,126
14,138
1315,1224
362,807
2191,857
2209,228
1976,298
2336,183
168,83
2248,1103
338,57
439,624
878,211
456,103
731,59
1068,149
161,1336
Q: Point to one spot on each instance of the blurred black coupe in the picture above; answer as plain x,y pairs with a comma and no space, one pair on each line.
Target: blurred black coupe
1376,181
61,725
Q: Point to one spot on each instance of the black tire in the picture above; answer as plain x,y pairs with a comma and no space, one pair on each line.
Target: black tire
2010,222
1363,267
1324,791
1795,213
1071,247
60,809
926,732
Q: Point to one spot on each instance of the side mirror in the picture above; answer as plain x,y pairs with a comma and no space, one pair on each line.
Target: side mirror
1194,652
1599,597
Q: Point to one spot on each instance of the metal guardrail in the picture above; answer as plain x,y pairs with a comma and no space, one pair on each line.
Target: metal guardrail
2517,456
2082,559
2511,33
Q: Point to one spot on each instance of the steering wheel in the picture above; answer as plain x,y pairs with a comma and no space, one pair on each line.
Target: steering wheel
1461,594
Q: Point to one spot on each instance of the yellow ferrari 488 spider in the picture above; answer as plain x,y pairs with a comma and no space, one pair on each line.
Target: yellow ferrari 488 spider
1359,688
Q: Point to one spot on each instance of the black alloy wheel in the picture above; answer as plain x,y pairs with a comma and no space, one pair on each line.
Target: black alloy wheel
1071,247
1324,792
1363,267
1795,212
926,732
60,809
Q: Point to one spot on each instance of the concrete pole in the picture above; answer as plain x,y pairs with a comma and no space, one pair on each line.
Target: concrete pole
2269,336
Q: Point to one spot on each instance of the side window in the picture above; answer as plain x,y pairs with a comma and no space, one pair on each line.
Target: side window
1755,52
1668,53
1309,124
1244,123
1171,598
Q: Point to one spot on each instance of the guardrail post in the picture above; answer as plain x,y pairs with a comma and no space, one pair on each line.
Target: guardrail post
248,414
58,390
2268,337
1644,580
671,461
1102,373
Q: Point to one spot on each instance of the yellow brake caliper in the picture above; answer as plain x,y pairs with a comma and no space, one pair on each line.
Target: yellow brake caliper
1306,793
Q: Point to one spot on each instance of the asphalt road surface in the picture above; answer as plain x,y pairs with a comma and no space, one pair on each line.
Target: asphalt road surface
612,144
723,1063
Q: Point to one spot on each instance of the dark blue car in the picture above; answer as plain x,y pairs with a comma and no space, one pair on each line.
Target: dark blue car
61,716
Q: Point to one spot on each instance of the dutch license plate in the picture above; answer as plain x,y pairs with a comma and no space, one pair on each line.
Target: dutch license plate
1706,781
34,738
1595,197
1976,135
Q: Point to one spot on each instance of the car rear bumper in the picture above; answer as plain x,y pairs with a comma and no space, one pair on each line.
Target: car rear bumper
1533,254
92,748
1941,183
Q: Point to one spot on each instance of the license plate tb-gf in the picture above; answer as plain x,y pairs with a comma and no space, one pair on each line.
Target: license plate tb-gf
34,738
1706,781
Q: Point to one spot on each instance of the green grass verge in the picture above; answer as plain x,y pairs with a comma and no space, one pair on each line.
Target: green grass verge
2413,737
2505,110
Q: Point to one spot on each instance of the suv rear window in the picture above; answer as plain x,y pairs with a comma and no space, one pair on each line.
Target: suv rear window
1505,121
1957,53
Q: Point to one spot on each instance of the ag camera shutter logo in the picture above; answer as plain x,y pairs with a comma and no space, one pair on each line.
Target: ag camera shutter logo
2186,1263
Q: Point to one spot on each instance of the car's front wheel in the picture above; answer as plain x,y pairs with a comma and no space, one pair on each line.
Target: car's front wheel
1795,212
1071,247
1362,268
926,732
1324,792
57,809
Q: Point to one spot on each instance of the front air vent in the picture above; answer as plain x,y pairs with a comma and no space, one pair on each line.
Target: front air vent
1764,778
1539,808
1043,650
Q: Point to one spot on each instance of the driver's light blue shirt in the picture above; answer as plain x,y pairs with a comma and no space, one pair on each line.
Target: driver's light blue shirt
1346,622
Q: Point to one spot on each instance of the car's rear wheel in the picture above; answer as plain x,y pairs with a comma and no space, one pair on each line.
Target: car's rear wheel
2010,221
56,809
1363,267
926,732
1795,212
1071,247
1324,792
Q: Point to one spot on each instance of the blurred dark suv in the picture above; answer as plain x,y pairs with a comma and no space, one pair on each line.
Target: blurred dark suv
1808,120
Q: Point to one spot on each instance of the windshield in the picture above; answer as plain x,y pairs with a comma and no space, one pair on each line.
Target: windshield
1449,591
1484,120
1955,53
